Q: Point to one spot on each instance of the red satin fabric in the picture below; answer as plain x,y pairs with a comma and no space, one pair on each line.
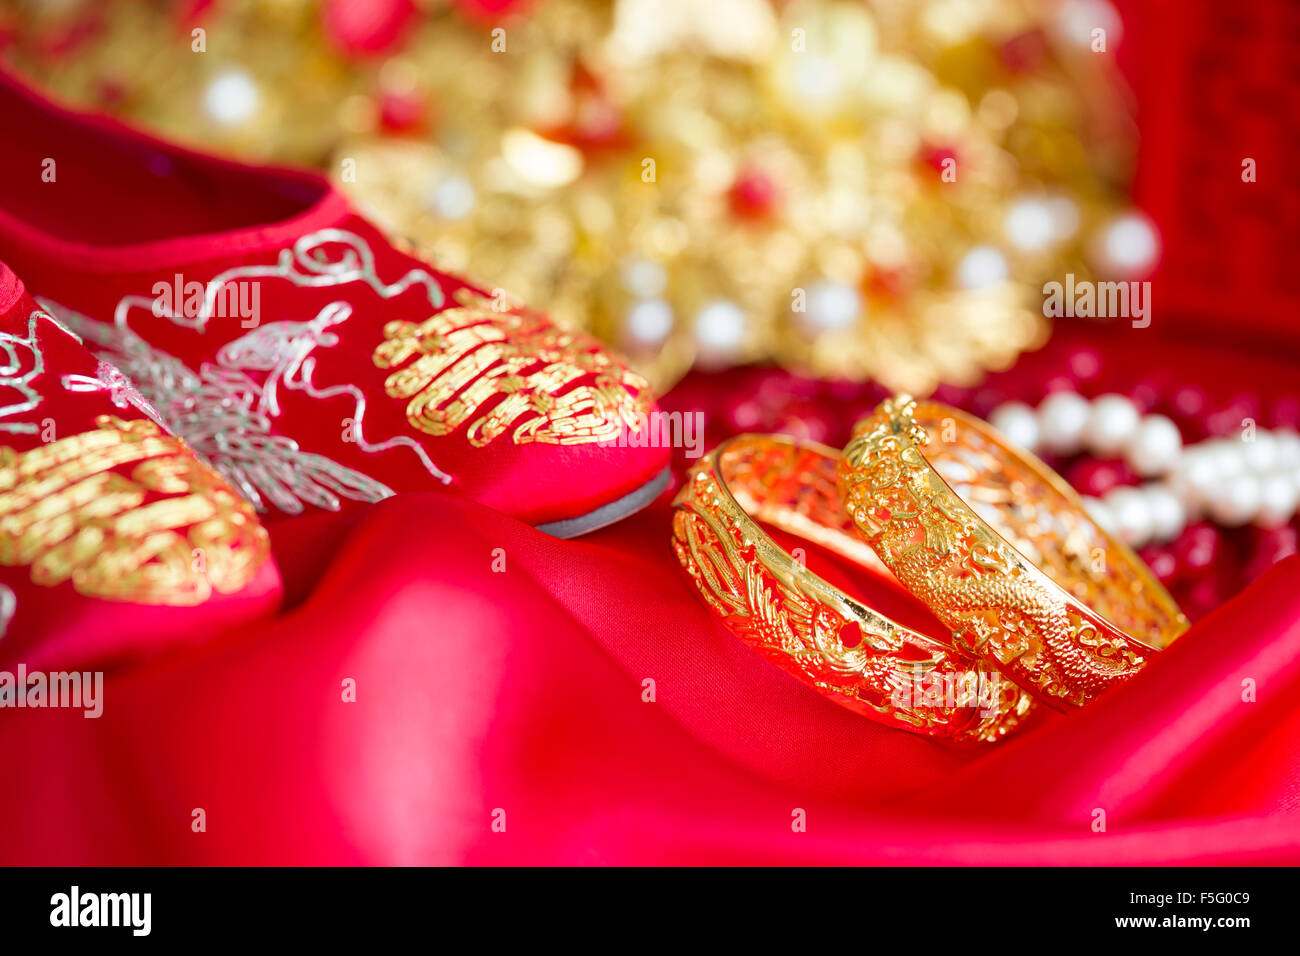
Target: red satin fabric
521,690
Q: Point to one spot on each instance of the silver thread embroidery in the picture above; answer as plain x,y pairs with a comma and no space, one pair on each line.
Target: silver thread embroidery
217,411
23,364
225,415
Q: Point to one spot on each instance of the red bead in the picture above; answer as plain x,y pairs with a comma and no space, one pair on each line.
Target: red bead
1248,404
484,11
779,387
1274,544
1084,364
953,395
188,12
1191,402
888,283
1201,598
1024,52
805,421
1145,396
1162,563
1059,383
841,390
1096,477
402,112
745,416
754,194
1285,413
1230,418
1198,548
367,28
985,400
939,158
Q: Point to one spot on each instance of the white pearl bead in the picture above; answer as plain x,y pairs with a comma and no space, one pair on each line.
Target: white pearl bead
719,331
649,322
1237,501
1260,454
1288,448
1277,503
1112,422
1132,515
1018,423
817,79
982,266
1028,224
1100,512
643,278
1168,516
1075,20
232,98
1061,420
1154,447
831,305
1065,217
1129,246
452,198
1196,477
1228,459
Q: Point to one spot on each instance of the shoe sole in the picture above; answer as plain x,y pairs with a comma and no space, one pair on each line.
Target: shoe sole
610,513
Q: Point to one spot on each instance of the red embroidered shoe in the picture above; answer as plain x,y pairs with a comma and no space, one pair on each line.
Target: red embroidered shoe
298,351
114,538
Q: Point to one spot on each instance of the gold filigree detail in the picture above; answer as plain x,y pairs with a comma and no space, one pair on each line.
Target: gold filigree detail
797,620
499,371
126,512
1013,564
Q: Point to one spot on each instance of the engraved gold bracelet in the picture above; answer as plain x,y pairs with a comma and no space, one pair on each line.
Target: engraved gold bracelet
1003,552
808,628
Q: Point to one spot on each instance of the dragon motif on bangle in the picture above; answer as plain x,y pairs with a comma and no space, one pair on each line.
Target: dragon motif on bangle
1019,571
802,624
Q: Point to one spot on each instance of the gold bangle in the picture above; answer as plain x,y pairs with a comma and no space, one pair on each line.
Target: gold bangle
1003,552
802,624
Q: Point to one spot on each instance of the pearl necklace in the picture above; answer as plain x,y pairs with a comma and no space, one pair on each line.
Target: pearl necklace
1255,478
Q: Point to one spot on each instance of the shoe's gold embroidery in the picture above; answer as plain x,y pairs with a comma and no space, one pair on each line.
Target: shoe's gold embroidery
553,386
168,532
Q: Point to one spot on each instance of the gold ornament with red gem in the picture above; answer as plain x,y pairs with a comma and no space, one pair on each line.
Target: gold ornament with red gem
854,189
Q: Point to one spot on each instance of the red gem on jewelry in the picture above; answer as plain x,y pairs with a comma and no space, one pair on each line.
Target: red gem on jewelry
937,156
754,194
1199,547
402,111
851,634
1024,52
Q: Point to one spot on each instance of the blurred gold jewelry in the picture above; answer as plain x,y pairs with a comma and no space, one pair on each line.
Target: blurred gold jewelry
1003,552
801,623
